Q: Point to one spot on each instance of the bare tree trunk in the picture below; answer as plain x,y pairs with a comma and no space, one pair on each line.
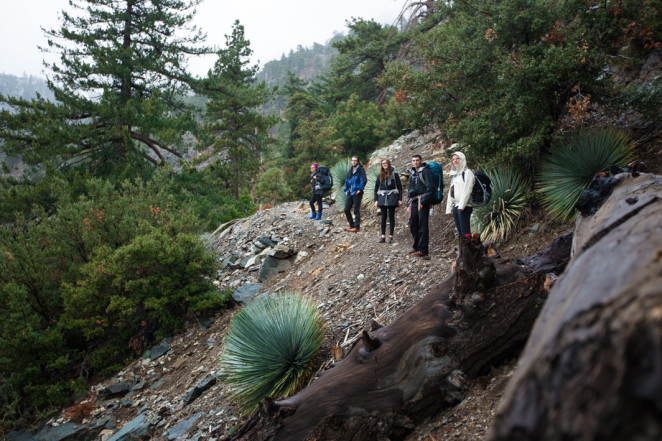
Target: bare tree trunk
592,369
398,374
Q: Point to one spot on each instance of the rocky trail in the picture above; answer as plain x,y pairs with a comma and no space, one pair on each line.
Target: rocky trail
173,391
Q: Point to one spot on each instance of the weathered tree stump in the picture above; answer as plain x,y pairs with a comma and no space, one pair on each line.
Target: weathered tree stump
397,375
592,368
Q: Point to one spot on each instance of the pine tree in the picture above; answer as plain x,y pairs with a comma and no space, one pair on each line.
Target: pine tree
236,132
118,86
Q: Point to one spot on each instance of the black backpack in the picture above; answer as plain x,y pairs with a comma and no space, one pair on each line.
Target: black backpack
482,191
326,179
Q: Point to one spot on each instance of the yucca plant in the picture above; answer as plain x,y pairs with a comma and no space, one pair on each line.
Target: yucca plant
497,219
568,171
269,348
372,174
339,173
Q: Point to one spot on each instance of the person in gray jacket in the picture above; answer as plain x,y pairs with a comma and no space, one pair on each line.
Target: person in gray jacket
388,196
458,202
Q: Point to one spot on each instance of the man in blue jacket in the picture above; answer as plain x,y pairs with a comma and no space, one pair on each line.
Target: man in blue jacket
354,185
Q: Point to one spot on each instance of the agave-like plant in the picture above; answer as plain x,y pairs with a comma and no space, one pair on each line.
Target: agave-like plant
372,174
269,348
339,173
497,219
568,171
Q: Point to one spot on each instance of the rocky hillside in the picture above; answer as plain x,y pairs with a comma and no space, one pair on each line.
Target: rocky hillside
173,390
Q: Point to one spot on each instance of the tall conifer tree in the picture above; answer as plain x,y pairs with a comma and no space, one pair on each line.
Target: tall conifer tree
118,86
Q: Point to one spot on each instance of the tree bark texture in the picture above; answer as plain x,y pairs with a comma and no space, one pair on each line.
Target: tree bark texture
396,375
592,368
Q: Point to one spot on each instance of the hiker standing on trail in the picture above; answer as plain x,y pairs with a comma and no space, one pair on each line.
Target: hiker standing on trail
459,195
419,198
317,194
354,186
388,196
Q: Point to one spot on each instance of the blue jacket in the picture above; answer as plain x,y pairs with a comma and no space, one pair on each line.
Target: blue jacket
355,181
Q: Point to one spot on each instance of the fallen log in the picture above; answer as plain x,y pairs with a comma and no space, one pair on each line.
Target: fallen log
397,375
592,368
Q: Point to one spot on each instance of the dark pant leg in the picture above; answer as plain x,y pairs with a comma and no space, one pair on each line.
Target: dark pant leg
383,210
318,198
312,203
423,231
413,224
357,210
391,220
349,203
463,220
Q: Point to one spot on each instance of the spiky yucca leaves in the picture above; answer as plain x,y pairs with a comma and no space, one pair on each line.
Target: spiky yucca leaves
566,173
496,220
372,174
339,173
269,348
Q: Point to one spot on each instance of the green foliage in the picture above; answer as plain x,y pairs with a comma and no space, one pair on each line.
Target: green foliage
356,124
269,348
362,56
94,282
272,187
372,174
117,86
339,173
499,75
234,127
510,196
568,170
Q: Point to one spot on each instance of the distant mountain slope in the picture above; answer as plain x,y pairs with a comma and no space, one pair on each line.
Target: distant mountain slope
24,87
305,63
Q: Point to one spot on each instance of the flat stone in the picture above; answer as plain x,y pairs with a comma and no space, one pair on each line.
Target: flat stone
272,266
137,428
182,427
158,351
115,390
245,293
199,388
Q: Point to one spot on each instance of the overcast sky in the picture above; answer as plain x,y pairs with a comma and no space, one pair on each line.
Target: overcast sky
274,27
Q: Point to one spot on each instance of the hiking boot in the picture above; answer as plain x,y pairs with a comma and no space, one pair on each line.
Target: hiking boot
382,240
421,254
349,228
412,251
312,216
390,240
319,216
354,230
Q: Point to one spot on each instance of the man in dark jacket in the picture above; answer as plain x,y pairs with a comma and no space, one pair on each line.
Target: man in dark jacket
419,198
354,185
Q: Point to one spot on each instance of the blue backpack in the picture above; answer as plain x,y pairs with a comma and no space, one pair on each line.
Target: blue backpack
437,172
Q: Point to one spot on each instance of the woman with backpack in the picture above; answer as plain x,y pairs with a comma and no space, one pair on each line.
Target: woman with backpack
458,203
388,196
317,194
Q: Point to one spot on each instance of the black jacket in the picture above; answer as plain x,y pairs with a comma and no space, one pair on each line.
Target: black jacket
418,186
389,191
316,183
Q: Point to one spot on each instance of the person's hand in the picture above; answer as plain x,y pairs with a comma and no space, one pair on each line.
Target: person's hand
409,209
375,204
357,191
420,207
399,203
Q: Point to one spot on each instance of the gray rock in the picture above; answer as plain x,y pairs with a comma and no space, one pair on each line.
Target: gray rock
20,435
199,388
281,251
324,232
181,428
137,428
272,266
266,240
138,386
158,351
115,390
245,293
69,432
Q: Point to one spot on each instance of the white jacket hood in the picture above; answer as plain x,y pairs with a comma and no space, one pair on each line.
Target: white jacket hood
461,167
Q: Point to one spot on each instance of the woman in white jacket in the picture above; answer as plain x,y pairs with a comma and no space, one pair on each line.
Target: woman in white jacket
459,195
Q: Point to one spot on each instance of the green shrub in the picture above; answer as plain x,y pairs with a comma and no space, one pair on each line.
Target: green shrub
496,220
269,348
568,170
91,283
